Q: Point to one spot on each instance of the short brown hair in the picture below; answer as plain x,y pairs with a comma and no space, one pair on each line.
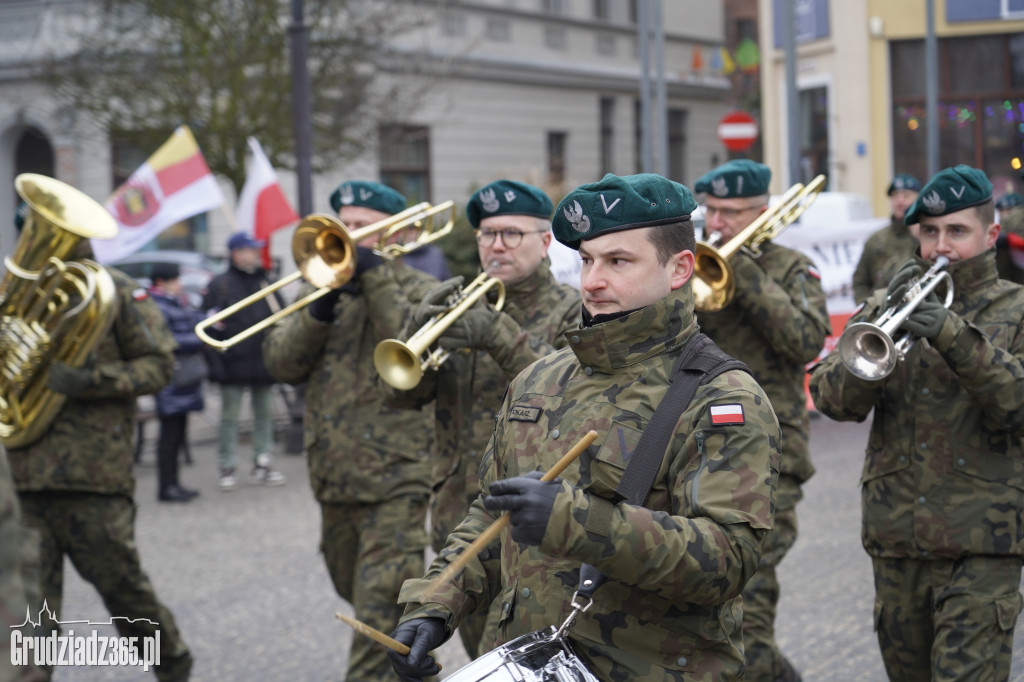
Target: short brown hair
986,212
670,239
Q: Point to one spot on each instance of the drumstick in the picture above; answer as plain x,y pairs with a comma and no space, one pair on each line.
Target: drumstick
493,530
376,635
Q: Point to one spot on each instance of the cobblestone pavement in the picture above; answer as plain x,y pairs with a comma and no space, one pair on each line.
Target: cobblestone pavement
242,575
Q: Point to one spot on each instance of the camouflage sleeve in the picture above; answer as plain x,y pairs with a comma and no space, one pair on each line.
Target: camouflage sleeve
790,313
993,376
721,486
292,347
145,343
836,392
475,587
515,348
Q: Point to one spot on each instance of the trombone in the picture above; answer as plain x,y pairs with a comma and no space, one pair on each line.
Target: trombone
714,283
325,254
401,365
868,349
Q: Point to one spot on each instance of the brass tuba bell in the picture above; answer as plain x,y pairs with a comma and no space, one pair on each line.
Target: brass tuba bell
51,306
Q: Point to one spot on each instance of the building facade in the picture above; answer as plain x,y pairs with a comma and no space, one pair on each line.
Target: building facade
546,91
861,75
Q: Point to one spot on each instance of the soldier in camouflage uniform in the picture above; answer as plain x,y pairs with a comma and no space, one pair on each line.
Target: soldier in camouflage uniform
776,324
890,247
1010,243
671,606
76,483
468,388
942,481
369,464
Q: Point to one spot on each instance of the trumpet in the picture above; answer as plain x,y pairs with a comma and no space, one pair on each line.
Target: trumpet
714,283
325,255
868,349
402,364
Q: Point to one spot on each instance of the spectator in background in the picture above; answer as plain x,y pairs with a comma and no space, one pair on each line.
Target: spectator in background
185,392
241,366
887,249
1010,242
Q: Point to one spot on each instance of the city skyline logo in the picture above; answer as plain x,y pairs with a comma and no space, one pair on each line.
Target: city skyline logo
45,610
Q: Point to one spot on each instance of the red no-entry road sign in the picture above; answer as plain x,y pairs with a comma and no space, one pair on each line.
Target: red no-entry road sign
737,130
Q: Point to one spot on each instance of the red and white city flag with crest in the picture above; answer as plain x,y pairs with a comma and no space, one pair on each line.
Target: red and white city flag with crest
172,185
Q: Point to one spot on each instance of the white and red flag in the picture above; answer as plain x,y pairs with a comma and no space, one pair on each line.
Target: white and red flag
172,185
262,206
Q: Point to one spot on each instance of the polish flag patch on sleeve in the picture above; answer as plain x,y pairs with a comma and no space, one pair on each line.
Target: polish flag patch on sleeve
814,272
727,414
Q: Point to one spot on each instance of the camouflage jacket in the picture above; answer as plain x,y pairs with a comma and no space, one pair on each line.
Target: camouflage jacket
91,444
470,385
671,606
777,323
944,473
884,252
358,449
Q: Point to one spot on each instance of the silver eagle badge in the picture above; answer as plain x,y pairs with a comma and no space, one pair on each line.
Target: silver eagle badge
933,203
489,200
719,187
579,222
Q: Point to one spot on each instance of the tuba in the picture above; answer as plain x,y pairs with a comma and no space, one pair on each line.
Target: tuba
325,255
714,283
402,364
868,349
51,308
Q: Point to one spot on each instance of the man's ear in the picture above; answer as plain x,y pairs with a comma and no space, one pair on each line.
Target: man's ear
992,235
682,269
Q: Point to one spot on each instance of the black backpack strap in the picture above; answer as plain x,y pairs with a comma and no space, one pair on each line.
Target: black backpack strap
700,362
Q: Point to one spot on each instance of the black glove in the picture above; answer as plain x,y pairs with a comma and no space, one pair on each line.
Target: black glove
322,309
434,302
366,259
421,635
475,328
71,381
901,282
927,319
528,500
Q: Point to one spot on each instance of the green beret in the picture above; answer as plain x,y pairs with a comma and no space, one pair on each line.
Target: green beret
20,216
1009,201
904,181
508,197
951,190
620,203
368,195
736,178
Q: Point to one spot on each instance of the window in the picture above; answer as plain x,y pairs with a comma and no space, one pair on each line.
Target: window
453,24
604,44
632,11
606,124
405,160
814,158
677,119
552,6
980,110
602,9
556,157
499,29
554,37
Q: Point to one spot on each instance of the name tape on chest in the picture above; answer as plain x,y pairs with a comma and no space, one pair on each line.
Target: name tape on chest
727,414
523,413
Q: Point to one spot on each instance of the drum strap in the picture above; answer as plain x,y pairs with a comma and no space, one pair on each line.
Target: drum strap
700,362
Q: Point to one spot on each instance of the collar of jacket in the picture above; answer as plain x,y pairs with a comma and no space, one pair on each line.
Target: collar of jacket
525,289
970,274
662,326
898,227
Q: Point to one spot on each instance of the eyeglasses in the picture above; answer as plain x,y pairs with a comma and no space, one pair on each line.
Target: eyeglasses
510,238
726,213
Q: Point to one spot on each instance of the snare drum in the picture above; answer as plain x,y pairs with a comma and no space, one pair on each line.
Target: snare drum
535,657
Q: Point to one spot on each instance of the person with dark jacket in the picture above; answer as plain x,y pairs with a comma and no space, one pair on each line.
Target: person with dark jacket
185,392
241,366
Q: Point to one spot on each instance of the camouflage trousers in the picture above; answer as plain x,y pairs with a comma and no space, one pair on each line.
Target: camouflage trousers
370,550
945,620
97,532
764,661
